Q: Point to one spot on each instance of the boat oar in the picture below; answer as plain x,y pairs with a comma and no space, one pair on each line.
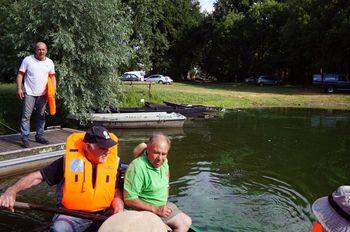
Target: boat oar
74,213
80,214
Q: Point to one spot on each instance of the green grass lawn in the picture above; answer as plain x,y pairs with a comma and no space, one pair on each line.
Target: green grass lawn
10,110
240,96
223,95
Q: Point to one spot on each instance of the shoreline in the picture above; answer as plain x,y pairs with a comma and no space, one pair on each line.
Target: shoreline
229,96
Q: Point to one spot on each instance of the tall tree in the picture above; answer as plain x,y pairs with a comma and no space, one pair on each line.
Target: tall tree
8,58
329,33
224,7
87,39
179,21
145,37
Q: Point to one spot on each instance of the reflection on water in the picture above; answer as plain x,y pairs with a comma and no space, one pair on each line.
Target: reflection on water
27,220
142,135
242,202
252,170
259,170
329,121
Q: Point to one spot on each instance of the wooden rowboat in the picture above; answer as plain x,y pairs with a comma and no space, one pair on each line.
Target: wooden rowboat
189,111
138,120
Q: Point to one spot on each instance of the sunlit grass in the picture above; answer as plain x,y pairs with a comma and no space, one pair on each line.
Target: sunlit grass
239,96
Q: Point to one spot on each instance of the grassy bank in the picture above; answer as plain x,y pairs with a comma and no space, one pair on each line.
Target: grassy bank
222,95
239,96
10,111
9,108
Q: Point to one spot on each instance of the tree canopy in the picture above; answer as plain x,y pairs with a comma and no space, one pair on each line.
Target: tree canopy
289,38
88,41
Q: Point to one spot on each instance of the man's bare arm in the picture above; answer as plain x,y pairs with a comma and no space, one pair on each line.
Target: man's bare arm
139,149
8,198
162,211
117,203
19,80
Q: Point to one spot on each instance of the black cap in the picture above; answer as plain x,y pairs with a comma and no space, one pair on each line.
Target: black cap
99,135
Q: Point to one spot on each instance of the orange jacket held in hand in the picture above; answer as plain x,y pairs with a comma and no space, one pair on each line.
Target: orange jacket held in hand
51,98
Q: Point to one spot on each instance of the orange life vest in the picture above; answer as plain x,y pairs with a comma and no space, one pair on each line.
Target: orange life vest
51,98
317,227
78,190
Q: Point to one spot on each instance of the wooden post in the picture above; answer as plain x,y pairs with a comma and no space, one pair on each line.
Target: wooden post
149,88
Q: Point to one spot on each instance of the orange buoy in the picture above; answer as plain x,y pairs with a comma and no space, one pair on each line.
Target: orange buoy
51,98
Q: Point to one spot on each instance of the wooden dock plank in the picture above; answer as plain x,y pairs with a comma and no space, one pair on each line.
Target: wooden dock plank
11,145
14,159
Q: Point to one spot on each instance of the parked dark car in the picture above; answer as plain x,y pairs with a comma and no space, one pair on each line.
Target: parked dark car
267,80
331,82
129,77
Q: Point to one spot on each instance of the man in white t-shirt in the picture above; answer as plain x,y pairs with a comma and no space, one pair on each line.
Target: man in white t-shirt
34,73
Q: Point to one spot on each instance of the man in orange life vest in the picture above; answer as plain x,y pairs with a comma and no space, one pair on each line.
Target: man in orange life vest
86,179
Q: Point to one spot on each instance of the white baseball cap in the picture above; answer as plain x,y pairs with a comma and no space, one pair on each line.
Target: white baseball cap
333,212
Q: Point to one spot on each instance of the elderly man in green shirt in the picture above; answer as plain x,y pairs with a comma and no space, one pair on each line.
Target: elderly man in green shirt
147,181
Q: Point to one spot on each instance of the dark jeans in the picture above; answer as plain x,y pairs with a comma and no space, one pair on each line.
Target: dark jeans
64,223
29,104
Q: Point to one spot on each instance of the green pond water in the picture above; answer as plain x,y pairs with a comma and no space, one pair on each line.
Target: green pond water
250,170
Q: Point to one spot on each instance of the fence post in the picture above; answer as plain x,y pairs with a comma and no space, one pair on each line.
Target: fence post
149,88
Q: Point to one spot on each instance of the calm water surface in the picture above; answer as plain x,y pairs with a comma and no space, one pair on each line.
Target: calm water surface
251,170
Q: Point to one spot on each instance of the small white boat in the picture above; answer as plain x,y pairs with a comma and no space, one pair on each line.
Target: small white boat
138,120
21,165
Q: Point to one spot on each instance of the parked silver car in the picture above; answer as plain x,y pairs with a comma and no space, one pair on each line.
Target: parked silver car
250,80
267,80
159,79
129,77
140,74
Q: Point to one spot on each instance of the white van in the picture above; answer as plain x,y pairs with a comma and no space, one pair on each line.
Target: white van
139,74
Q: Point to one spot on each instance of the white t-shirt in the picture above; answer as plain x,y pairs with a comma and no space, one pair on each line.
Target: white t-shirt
36,74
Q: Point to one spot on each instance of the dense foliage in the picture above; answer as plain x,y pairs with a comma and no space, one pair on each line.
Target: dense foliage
88,41
163,35
289,38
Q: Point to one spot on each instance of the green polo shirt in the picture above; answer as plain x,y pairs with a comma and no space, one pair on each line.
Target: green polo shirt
147,183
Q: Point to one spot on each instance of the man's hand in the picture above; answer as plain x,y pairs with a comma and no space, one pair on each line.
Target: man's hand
117,205
20,93
8,199
163,211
